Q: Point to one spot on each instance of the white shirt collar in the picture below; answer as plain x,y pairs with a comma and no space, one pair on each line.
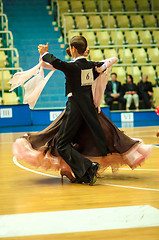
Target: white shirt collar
77,58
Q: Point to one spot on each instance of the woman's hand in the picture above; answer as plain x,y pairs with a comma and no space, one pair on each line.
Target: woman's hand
43,48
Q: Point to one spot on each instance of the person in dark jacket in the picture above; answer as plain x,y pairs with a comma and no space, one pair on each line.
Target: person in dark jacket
130,93
145,91
79,108
113,91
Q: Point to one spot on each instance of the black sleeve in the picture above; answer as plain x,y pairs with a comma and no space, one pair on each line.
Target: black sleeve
57,63
135,88
124,89
150,87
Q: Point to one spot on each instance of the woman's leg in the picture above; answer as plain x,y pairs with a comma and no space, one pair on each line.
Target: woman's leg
128,98
136,100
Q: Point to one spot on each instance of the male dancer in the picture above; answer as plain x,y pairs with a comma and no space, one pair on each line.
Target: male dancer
80,75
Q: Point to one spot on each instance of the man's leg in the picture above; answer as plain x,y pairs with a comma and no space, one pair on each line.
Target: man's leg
146,100
70,125
136,100
122,101
109,101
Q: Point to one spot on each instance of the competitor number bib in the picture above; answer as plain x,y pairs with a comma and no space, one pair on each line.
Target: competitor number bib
87,77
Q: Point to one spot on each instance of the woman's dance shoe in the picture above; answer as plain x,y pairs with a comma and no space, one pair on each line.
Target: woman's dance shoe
68,174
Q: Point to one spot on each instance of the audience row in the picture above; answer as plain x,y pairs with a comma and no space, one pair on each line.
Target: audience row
129,92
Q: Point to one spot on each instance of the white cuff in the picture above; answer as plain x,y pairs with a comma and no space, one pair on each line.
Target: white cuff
44,54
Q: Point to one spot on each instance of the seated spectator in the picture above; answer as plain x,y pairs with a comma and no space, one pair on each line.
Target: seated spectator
130,93
145,91
113,92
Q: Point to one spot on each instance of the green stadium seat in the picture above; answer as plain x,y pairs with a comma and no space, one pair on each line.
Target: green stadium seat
117,37
150,20
125,55
96,54
103,37
109,21
6,78
145,37
10,98
155,34
136,21
130,5
76,6
90,6
153,54
103,6
123,21
155,5
81,22
143,5
108,53
140,55
95,21
69,23
131,37
156,95
3,59
116,5
63,7
90,36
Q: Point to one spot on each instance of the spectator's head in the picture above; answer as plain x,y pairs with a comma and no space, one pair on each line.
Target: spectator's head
144,78
113,77
129,79
78,45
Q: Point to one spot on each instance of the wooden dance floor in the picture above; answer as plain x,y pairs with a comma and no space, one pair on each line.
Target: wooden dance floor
124,205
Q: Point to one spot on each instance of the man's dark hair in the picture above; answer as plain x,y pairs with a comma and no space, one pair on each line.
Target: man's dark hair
80,43
114,74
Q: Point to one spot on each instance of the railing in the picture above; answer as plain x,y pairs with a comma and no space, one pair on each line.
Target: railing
9,38
4,21
108,14
5,69
14,55
1,7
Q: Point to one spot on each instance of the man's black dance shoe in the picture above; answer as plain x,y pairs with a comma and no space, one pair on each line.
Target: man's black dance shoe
92,173
90,176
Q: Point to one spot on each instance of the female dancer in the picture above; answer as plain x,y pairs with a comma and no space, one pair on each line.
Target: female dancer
50,147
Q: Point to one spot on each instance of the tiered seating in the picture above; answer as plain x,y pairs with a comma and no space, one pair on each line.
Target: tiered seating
10,98
103,6
90,6
81,22
116,5
5,75
3,59
76,6
90,36
95,21
117,37
145,37
123,21
130,5
143,5
133,32
103,37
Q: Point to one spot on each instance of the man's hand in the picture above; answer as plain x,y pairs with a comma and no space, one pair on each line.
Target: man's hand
115,95
43,48
150,93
